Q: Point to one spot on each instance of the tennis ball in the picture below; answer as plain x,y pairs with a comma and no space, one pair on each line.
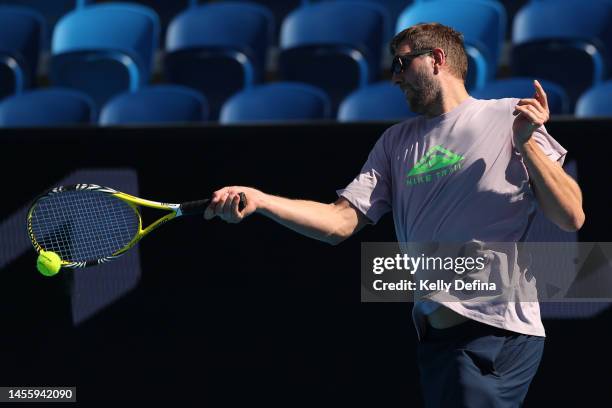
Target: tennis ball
48,263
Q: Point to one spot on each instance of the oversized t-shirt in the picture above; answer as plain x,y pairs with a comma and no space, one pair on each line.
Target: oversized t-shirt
458,177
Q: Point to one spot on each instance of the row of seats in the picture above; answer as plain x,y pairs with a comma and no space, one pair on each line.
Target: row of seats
221,48
276,102
53,10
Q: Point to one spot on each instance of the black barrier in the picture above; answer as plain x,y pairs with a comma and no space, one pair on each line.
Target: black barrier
249,312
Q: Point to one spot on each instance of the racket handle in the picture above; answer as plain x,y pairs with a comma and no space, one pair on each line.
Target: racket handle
199,206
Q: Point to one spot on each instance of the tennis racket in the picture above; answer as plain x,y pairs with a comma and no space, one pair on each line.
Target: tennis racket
87,225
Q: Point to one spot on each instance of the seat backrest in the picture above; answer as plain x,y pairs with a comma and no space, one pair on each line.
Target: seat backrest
280,9
129,28
155,104
391,9
50,10
47,107
596,101
167,9
360,25
22,37
589,20
240,26
567,42
281,101
558,99
379,101
482,22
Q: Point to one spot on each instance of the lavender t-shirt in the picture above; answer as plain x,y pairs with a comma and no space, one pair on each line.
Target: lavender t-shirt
457,177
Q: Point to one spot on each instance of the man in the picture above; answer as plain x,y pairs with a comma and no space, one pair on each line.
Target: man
495,160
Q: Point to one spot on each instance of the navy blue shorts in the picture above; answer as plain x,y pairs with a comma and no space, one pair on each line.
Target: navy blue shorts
476,365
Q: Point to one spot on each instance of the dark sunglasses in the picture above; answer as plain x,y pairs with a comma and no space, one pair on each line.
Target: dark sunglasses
400,62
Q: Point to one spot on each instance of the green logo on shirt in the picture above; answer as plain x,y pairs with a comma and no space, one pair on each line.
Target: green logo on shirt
437,162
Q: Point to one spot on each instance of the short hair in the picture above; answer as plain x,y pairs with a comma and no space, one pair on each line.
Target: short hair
435,35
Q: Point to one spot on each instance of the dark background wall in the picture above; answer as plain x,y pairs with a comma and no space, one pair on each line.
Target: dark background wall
250,312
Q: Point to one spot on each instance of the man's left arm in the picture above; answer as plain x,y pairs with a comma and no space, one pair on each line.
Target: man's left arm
557,193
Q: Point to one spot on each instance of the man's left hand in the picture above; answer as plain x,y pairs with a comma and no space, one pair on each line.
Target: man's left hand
531,113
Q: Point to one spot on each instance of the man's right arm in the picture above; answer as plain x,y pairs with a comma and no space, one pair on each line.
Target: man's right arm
331,223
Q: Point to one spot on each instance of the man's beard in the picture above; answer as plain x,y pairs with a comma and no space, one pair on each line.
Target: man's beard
424,93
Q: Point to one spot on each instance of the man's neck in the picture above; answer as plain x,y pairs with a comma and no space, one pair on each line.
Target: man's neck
450,98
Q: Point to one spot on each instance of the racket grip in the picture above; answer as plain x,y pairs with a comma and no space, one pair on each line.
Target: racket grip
199,206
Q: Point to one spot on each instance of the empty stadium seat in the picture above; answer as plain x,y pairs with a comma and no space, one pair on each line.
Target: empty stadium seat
21,37
47,107
391,8
333,45
510,6
482,23
154,105
104,49
167,9
50,10
379,101
558,100
566,42
280,9
277,102
218,49
597,101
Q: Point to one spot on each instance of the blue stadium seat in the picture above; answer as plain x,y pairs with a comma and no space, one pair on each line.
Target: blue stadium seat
218,49
51,11
482,23
277,102
47,107
597,101
333,45
379,101
155,104
391,9
558,100
167,9
280,9
511,7
104,49
567,42
21,37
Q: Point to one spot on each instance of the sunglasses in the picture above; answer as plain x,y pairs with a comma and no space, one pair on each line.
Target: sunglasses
401,62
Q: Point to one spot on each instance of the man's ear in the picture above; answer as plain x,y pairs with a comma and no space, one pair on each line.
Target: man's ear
439,59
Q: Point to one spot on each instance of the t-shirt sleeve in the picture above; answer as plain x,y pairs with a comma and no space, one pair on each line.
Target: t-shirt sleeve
370,191
551,148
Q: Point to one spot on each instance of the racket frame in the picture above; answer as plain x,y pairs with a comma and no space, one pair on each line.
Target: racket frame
133,201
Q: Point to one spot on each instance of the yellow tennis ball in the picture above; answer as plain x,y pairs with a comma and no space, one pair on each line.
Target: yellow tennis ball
48,263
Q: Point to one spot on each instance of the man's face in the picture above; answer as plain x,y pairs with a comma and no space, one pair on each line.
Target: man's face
418,82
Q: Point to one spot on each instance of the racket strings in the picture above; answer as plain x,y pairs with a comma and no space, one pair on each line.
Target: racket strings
83,226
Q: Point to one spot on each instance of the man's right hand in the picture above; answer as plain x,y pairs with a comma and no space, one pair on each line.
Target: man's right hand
224,203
